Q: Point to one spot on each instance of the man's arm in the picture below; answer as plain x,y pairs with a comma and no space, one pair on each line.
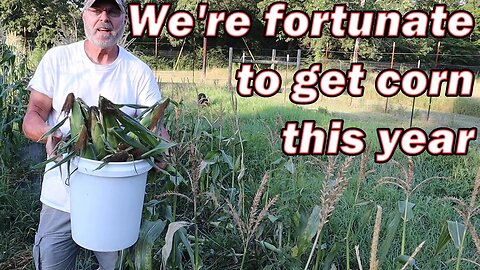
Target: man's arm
34,122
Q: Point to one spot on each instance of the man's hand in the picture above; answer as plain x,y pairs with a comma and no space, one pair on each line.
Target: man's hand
51,144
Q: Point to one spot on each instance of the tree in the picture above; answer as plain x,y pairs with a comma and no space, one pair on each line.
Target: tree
38,19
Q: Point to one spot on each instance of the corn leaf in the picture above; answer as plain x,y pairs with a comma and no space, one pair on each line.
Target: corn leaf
227,159
159,149
64,160
388,240
175,177
132,125
125,138
167,248
65,147
401,209
270,247
456,231
133,106
290,166
331,255
53,129
443,239
304,241
182,232
149,233
43,163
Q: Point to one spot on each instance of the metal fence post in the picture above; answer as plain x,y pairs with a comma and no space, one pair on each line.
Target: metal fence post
299,55
230,66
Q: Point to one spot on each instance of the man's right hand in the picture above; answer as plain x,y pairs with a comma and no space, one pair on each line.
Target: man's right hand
52,142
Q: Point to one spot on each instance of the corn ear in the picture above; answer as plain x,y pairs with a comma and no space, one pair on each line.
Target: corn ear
77,119
96,132
153,116
81,143
89,152
68,104
108,121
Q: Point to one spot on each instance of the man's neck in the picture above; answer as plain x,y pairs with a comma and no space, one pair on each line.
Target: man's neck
101,56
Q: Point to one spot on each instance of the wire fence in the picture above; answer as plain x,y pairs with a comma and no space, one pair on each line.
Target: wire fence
191,56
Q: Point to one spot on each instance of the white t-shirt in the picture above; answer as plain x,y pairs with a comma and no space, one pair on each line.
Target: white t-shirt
67,69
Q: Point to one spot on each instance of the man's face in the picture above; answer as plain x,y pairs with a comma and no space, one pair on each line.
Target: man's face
104,23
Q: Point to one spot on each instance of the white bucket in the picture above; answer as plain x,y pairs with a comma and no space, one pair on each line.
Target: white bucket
106,204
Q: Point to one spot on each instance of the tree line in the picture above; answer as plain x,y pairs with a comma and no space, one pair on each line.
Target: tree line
48,23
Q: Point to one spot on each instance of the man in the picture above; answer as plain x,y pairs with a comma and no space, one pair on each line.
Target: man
90,68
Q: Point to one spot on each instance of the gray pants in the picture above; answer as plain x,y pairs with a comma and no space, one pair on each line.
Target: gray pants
54,248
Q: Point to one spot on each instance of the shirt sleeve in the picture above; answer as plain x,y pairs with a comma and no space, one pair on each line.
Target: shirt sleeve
42,80
149,90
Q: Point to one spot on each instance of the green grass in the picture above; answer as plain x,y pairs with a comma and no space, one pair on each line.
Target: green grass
300,191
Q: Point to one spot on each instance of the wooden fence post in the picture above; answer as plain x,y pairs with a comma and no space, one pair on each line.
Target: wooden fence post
274,54
299,55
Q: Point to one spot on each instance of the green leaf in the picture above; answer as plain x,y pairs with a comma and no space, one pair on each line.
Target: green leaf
401,209
443,239
64,159
456,231
132,125
149,233
278,161
270,247
273,218
331,255
175,177
290,166
388,240
304,241
366,215
43,163
236,167
183,236
227,159
53,129
211,157
167,248
125,138
241,173
161,148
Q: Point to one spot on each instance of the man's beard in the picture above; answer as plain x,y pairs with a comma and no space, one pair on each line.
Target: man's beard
112,40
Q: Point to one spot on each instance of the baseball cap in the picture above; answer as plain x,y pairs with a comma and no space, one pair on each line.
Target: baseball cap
120,3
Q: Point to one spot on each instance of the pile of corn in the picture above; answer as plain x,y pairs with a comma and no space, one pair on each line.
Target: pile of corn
107,134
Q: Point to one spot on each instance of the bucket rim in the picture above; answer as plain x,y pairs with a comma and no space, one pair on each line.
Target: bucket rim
111,169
